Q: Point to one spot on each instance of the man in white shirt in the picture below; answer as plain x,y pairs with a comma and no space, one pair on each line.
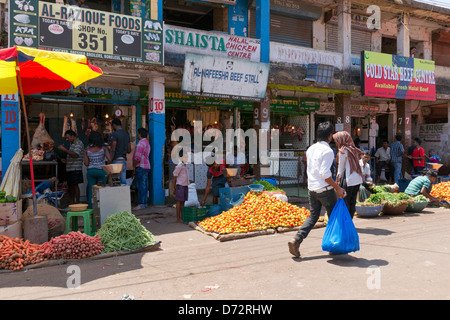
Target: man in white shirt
322,189
382,159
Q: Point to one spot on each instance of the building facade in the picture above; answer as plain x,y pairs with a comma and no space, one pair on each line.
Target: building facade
314,52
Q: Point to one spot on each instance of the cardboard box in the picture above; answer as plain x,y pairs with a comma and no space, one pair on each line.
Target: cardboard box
10,212
12,230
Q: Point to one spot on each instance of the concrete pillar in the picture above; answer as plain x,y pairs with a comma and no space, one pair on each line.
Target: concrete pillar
157,136
403,43
319,34
10,129
262,28
343,120
377,37
261,121
404,121
238,19
345,37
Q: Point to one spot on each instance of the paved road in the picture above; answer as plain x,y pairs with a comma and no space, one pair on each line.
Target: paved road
401,257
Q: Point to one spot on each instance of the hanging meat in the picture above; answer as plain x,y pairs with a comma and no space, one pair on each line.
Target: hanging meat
41,142
91,126
300,133
41,138
66,126
108,127
73,124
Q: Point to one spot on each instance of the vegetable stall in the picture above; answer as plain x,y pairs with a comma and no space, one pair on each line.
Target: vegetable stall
389,201
122,233
259,214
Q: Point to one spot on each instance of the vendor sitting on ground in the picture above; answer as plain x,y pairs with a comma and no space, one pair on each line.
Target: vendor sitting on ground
422,186
216,180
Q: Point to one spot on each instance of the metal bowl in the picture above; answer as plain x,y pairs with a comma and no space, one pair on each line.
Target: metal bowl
113,168
416,207
368,211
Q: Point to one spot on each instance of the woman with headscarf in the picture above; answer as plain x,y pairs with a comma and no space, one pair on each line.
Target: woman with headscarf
348,166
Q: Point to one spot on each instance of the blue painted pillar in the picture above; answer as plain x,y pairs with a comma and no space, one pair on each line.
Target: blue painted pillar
238,18
263,28
157,137
10,123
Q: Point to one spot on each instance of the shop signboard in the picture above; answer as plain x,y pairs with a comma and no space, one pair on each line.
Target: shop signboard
96,34
396,77
431,132
181,40
284,53
218,77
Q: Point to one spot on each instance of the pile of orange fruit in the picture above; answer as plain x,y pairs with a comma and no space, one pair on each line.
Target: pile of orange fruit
258,211
441,191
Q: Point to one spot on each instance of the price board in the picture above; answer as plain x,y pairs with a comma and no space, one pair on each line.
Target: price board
96,34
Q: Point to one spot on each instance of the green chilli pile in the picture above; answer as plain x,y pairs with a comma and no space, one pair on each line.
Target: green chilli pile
123,231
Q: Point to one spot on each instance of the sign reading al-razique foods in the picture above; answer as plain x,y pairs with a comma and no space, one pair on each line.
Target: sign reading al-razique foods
391,76
94,33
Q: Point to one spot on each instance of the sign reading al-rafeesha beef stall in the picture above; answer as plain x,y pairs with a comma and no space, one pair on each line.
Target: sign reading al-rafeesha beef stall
390,76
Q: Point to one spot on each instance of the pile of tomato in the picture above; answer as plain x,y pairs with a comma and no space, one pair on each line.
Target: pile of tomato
259,211
441,191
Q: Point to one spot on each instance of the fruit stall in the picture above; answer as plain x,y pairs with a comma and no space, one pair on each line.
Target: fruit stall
122,233
259,213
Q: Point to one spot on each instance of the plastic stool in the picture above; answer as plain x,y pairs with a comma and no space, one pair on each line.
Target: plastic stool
89,221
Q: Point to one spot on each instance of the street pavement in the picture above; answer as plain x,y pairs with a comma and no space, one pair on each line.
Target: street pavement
401,257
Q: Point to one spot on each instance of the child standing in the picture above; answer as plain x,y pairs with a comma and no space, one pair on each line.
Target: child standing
181,183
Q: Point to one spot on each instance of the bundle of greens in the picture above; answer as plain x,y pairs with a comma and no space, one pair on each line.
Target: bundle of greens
420,198
123,231
267,185
388,199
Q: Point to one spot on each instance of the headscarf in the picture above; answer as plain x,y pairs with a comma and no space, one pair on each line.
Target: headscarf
344,142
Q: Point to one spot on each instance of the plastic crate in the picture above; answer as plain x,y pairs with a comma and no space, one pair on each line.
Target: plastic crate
195,214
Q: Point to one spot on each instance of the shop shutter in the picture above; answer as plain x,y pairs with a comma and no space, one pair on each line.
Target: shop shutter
284,29
361,39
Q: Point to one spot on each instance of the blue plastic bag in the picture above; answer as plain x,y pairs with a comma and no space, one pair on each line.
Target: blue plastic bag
340,234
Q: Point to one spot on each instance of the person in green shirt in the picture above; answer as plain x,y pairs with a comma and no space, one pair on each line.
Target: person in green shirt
422,185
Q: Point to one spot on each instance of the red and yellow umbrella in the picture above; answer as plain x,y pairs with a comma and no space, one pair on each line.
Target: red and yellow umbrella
30,71
42,71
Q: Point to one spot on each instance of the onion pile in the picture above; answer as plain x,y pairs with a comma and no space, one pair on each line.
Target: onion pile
74,245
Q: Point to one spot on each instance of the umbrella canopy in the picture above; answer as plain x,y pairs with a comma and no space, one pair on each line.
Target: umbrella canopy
29,71
43,71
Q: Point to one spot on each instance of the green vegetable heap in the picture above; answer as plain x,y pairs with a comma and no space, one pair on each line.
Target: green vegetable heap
6,198
123,231
387,198
267,185
420,198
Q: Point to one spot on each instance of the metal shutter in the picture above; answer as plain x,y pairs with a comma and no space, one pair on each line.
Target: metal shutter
361,39
284,29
